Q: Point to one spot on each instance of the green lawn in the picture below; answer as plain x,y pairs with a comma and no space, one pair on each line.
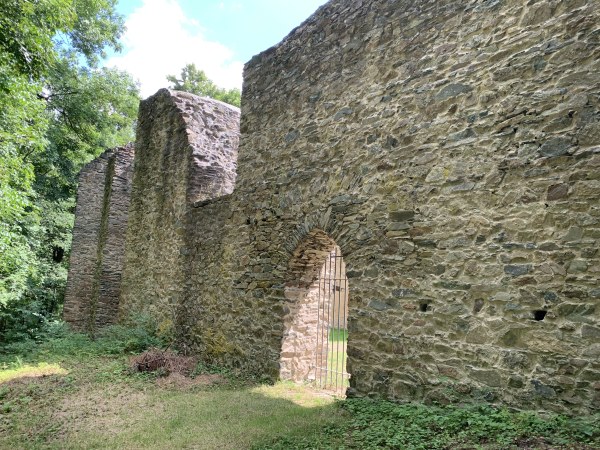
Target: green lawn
336,379
72,393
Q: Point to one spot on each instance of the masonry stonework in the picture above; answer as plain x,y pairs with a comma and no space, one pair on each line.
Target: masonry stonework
96,263
186,152
451,150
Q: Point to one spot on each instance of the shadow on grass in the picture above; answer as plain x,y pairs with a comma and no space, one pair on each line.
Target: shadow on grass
115,415
99,404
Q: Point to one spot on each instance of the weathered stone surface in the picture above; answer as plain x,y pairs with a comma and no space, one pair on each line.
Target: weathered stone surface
557,192
425,139
485,113
556,146
97,252
517,269
186,153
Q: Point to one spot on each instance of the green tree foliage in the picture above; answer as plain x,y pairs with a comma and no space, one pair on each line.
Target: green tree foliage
195,81
23,124
34,32
92,110
57,112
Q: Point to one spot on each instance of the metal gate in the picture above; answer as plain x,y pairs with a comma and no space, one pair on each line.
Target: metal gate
332,329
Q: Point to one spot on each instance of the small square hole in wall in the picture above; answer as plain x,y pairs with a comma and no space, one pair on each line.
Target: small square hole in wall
540,314
424,307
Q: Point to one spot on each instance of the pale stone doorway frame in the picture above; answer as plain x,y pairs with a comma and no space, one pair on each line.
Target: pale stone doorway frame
315,325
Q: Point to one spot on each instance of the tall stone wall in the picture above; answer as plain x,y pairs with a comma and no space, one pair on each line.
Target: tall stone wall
97,251
451,150
186,152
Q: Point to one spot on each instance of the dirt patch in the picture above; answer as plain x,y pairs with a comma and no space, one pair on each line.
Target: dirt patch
175,371
98,410
178,381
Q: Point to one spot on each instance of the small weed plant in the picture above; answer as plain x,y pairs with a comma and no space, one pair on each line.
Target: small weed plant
372,424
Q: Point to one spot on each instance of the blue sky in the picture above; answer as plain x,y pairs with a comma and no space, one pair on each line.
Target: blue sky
219,36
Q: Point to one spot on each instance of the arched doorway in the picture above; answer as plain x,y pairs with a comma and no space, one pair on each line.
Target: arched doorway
315,328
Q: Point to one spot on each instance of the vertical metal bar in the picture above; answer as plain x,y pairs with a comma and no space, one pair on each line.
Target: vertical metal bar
329,320
322,330
337,319
318,323
328,370
325,324
332,328
340,325
345,341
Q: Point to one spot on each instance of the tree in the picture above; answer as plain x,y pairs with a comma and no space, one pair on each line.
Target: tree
195,81
23,125
57,112
92,110
34,32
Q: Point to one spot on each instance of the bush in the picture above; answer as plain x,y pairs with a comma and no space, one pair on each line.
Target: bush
117,339
55,339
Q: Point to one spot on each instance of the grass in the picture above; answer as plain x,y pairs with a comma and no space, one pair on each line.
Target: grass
335,378
73,393
93,401
338,335
119,414
20,370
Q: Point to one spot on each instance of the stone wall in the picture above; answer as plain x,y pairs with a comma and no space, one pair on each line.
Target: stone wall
450,149
186,152
96,262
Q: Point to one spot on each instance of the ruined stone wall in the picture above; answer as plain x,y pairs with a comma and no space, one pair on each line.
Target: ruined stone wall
186,154
451,149
97,251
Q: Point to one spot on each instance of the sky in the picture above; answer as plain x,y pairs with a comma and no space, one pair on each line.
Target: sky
219,36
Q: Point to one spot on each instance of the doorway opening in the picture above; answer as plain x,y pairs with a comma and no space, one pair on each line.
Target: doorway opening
316,327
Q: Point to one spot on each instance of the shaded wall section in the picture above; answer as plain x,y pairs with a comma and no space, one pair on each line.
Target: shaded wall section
97,252
186,155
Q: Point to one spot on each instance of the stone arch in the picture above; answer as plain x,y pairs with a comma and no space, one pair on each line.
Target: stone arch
305,344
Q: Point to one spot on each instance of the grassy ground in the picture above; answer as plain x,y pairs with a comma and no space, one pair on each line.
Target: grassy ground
335,379
71,393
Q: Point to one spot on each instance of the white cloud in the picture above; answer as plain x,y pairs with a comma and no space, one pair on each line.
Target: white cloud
160,41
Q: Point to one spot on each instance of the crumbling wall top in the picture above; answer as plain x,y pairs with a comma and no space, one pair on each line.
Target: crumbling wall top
212,133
